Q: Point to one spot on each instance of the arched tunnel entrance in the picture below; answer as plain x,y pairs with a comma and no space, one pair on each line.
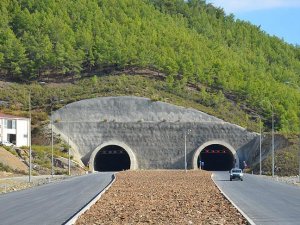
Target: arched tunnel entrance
111,158
216,157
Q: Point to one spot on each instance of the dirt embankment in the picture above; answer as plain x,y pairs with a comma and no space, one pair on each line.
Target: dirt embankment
12,161
162,197
12,183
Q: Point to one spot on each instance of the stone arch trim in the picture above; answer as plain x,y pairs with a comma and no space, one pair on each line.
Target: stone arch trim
215,142
132,157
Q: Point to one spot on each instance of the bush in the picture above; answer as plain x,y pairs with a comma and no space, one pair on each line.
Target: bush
5,168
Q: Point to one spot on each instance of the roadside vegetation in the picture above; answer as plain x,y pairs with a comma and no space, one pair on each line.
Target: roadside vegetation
42,155
286,160
41,160
42,95
5,168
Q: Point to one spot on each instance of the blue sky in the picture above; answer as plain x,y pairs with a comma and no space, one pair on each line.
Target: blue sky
277,17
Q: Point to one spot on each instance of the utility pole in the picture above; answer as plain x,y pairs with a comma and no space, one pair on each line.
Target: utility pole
185,151
52,169
299,161
273,153
186,132
29,137
260,141
260,138
295,85
69,155
69,159
53,101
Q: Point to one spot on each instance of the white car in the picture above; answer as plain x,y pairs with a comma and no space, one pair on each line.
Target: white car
236,173
6,143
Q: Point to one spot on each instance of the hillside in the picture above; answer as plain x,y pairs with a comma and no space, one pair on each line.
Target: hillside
11,162
185,45
15,161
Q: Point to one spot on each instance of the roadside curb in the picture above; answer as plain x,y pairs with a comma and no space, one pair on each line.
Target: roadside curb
89,205
250,221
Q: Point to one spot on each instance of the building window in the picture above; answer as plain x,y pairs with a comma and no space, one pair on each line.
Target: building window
10,124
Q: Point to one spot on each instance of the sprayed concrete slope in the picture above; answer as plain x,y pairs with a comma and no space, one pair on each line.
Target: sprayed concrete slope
131,109
151,132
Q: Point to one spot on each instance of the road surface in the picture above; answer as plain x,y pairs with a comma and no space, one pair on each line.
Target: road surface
53,203
264,201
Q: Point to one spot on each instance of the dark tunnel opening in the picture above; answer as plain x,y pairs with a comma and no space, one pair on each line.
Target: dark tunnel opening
112,158
216,158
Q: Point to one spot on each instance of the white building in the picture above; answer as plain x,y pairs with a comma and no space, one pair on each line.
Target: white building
15,129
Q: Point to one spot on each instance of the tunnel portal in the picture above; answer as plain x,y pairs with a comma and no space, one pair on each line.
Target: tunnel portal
112,158
216,158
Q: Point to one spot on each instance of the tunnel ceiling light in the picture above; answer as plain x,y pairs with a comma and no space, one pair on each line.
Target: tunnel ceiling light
215,152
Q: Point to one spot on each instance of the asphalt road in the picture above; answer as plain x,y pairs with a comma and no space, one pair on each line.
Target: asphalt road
53,203
262,200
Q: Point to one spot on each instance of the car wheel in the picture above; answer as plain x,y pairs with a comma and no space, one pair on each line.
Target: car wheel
241,179
230,179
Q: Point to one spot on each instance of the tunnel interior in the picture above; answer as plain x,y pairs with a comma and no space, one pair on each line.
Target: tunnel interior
112,158
216,158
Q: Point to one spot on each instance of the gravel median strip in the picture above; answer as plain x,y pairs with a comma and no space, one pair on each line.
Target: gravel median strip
163,197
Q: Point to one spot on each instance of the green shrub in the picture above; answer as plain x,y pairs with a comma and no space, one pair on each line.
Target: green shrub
5,168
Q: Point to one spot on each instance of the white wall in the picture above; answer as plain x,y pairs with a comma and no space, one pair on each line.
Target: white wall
22,133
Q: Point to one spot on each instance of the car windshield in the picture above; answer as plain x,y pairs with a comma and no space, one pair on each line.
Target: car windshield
236,171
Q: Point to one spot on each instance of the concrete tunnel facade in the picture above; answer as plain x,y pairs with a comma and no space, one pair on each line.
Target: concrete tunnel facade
119,133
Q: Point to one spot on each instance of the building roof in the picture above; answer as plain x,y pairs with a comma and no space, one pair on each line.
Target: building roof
6,116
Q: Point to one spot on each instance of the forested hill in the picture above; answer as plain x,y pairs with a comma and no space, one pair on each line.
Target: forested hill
190,42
